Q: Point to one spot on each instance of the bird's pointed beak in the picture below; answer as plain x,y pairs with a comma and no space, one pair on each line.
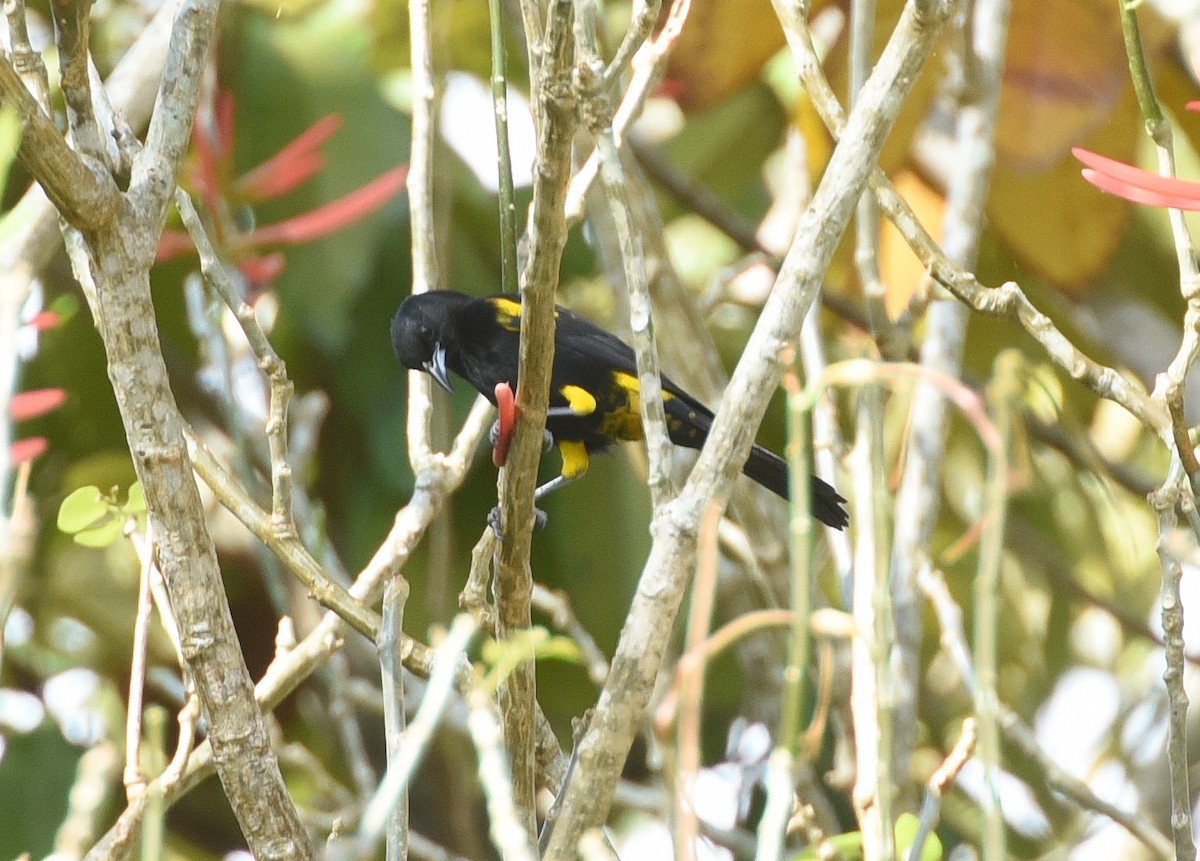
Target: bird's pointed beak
436,366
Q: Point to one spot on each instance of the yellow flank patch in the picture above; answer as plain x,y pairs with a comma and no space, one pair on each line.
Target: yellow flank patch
579,400
624,421
629,383
574,458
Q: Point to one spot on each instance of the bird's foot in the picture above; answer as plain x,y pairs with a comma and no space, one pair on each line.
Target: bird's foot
496,521
500,437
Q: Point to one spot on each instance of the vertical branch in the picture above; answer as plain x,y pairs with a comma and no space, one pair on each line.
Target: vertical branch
872,693
782,762
1171,600
71,32
866,241
111,257
800,533
612,176
554,124
391,634
690,687
946,322
1159,130
26,61
1004,393
420,208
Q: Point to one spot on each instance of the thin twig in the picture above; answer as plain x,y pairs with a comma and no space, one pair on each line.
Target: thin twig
133,777
391,636
420,208
507,196
612,175
419,733
1177,698
1004,394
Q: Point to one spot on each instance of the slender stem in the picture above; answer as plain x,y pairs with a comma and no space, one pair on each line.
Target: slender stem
507,201
1004,392
800,530
391,635
1171,601
420,207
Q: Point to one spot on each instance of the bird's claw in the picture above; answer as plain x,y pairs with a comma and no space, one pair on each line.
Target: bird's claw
495,433
496,521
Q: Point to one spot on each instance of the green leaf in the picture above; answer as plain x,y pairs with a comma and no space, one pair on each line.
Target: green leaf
536,643
849,845
103,535
83,508
136,503
10,138
907,826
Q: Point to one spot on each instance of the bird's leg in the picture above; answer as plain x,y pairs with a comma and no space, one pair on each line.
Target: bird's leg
575,464
552,485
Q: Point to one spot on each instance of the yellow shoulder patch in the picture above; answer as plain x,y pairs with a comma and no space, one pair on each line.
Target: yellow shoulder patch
508,313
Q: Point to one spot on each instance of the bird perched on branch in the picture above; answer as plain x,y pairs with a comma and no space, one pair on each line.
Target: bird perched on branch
594,394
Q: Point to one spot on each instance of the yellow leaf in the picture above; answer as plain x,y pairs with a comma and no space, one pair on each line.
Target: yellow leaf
901,271
1065,71
1056,223
721,49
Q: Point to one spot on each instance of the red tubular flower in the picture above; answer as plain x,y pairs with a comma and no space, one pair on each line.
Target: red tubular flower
334,215
295,164
292,166
27,449
1137,185
30,405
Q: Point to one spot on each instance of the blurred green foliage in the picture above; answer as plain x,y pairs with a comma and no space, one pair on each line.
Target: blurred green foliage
1071,530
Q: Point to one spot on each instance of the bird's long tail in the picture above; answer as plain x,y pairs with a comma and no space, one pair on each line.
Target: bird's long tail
688,425
771,471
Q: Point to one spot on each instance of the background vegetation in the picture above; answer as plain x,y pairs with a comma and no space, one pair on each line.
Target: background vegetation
1004,485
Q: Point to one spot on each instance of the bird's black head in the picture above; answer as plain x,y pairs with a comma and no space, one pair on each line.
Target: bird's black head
423,332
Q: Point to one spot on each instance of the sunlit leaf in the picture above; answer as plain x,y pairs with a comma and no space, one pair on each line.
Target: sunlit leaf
81,509
102,535
10,138
1054,220
721,49
901,270
136,504
1064,73
907,827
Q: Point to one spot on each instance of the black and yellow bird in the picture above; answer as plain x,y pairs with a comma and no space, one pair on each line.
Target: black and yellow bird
593,384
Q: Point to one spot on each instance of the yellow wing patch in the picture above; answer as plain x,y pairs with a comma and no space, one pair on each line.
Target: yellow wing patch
580,400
